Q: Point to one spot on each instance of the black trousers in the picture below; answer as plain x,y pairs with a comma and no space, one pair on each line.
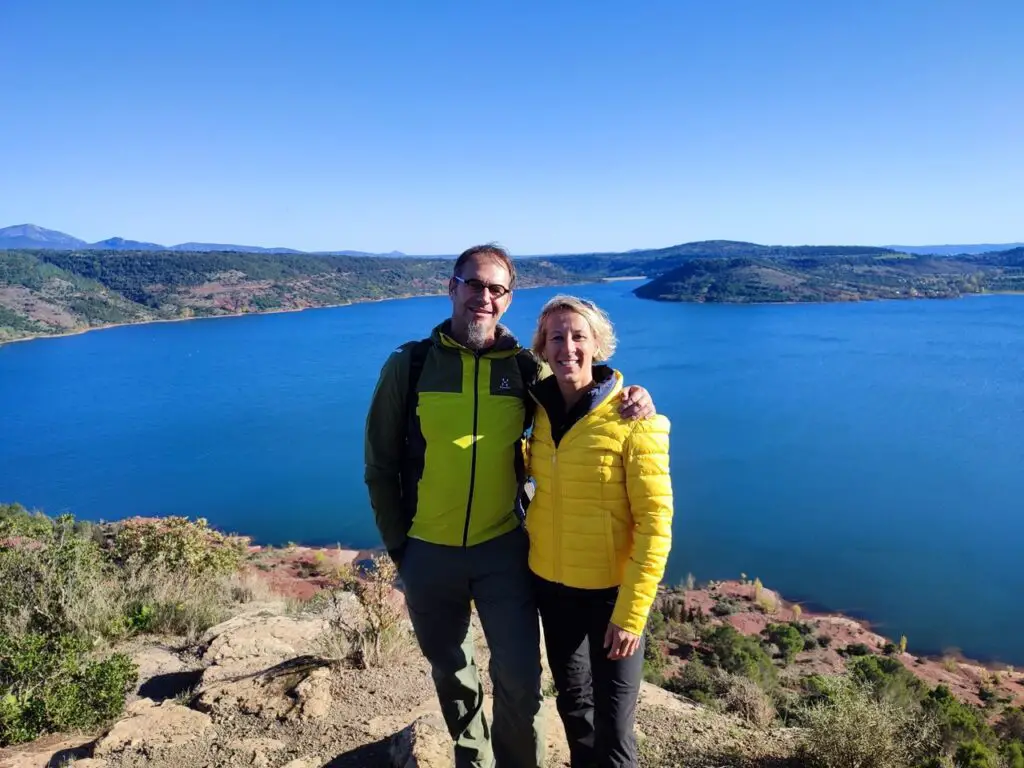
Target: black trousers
596,696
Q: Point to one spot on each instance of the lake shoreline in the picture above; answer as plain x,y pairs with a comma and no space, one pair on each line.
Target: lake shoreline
155,321
161,320
281,311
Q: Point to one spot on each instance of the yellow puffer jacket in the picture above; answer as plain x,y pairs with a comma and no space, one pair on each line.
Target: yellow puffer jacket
601,515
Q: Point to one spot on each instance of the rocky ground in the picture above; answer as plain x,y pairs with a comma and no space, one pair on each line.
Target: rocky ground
264,689
257,691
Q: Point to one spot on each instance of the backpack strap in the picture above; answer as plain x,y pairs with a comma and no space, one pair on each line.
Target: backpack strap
529,369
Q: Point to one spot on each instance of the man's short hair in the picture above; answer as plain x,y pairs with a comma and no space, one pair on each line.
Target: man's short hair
491,250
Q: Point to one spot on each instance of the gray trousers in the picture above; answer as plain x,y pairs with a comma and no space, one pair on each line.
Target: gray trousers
440,583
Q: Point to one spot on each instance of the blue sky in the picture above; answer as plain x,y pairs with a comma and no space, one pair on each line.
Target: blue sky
549,127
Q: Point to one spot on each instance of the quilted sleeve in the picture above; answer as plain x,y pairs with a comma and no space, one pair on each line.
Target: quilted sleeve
649,488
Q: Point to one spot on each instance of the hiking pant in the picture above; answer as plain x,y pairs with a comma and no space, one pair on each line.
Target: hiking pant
440,581
596,696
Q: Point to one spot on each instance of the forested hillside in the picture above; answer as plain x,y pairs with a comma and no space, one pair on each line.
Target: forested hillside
45,292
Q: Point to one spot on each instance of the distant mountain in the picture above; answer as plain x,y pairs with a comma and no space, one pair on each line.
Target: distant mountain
31,236
120,244
953,250
210,247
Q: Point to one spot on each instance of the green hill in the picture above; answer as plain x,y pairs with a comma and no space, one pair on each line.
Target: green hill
46,292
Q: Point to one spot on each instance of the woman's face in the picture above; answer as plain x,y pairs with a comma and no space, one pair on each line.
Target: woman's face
569,348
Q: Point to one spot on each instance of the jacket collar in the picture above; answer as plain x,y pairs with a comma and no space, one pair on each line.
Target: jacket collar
607,384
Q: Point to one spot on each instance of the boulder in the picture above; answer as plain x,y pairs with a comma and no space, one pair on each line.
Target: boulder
148,726
424,743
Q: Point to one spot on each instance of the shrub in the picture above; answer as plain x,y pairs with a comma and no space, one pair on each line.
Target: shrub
51,685
160,600
381,636
655,660
1013,754
857,649
741,655
56,582
957,721
850,728
888,679
1011,725
787,638
17,522
724,607
698,682
177,544
744,697
974,754
656,624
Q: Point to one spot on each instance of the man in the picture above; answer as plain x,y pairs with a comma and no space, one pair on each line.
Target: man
444,468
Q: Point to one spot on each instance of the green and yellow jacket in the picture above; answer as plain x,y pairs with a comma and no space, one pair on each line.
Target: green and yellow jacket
444,463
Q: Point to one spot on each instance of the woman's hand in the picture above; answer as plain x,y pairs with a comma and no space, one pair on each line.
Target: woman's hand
620,643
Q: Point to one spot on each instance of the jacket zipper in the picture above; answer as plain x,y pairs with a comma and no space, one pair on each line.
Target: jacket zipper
472,465
556,518
556,489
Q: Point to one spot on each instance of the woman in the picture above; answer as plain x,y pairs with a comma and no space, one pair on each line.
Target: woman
600,530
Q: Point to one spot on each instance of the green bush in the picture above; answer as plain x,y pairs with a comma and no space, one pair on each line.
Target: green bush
1011,725
856,649
851,728
18,522
1013,754
787,638
888,679
724,607
957,721
975,754
177,544
697,682
741,655
654,657
55,581
50,684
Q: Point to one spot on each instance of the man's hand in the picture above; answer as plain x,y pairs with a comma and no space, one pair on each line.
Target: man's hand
620,643
636,403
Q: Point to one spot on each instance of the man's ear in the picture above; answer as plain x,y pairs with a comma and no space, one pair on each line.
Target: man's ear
452,285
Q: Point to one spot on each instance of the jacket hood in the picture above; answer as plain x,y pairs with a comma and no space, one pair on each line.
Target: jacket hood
607,384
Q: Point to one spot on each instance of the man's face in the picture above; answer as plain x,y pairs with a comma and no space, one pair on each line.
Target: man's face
476,309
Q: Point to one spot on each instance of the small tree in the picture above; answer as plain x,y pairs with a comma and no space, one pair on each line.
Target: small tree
379,635
797,612
903,644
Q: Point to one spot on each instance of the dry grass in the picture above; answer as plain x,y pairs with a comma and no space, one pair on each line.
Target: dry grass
855,730
746,698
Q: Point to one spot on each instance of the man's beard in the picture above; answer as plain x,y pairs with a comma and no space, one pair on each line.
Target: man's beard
476,336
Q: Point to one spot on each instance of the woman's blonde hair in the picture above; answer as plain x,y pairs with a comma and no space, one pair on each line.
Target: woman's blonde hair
600,325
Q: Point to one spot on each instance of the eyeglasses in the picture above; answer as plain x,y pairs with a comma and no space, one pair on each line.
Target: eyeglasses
476,286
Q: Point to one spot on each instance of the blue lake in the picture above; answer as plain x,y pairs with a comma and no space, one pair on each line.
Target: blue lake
868,458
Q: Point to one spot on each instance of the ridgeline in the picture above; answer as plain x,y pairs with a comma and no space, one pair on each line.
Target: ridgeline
46,292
